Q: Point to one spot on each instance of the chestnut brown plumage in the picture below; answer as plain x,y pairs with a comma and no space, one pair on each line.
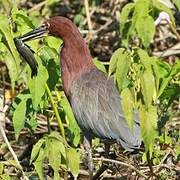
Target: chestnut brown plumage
93,96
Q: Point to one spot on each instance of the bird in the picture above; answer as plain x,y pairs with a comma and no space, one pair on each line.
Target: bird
93,95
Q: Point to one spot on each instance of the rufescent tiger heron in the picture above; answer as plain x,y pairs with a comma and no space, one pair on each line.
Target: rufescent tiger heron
93,96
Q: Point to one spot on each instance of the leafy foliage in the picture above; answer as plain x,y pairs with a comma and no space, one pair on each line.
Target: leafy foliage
146,83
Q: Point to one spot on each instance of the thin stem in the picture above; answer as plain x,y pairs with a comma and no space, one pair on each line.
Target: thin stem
121,163
55,111
2,115
88,17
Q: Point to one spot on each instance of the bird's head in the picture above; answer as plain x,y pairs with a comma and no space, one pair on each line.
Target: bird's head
57,26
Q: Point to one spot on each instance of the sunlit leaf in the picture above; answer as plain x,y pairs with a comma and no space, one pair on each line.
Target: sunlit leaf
36,149
99,65
19,117
114,59
54,156
128,106
148,87
38,164
148,123
73,161
174,70
73,126
124,16
146,30
123,64
37,85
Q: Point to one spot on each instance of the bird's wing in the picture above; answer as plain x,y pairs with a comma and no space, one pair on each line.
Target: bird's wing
96,104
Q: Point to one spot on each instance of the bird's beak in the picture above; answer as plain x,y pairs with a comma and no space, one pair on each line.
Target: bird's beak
35,33
25,51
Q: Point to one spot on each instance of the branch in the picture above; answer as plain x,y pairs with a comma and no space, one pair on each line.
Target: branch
121,163
88,18
3,110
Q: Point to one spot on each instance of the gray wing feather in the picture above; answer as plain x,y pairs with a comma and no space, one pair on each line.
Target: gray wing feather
97,107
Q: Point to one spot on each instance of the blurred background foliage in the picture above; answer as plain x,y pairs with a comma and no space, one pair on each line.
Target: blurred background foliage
127,43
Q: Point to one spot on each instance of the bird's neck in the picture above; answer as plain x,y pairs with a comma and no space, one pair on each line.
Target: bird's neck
75,60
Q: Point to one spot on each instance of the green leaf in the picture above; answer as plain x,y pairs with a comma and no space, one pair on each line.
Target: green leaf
73,161
54,156
72,124
7,57
114,59
128,106
124,16
148,123
145,29
36,150
147,87
19,117
6,30
144,58
161,70
123,64
174,71
99,65
37,85
140,11
55,136
54,43
177,3
1,168
38,164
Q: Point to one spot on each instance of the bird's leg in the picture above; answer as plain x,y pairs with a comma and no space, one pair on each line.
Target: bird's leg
87,145
103,166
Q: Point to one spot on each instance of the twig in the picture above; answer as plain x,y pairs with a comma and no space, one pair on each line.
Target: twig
55,111
9,146
37,6
121,163
88,18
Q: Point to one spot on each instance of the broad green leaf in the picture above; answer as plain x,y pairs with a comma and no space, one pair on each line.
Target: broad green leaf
175,69
123,64
6,30
19,117
7,58
128,106
114,59
36,149
54,156
124,16
72,124
147,87
54,43
21,19
140,11
73,158
56,135
161,69
49,57
37,85
99,65
148,123
144,58
177,3
38,164
146,29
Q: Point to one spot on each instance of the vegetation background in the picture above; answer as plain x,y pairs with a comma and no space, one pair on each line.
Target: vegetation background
136,42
